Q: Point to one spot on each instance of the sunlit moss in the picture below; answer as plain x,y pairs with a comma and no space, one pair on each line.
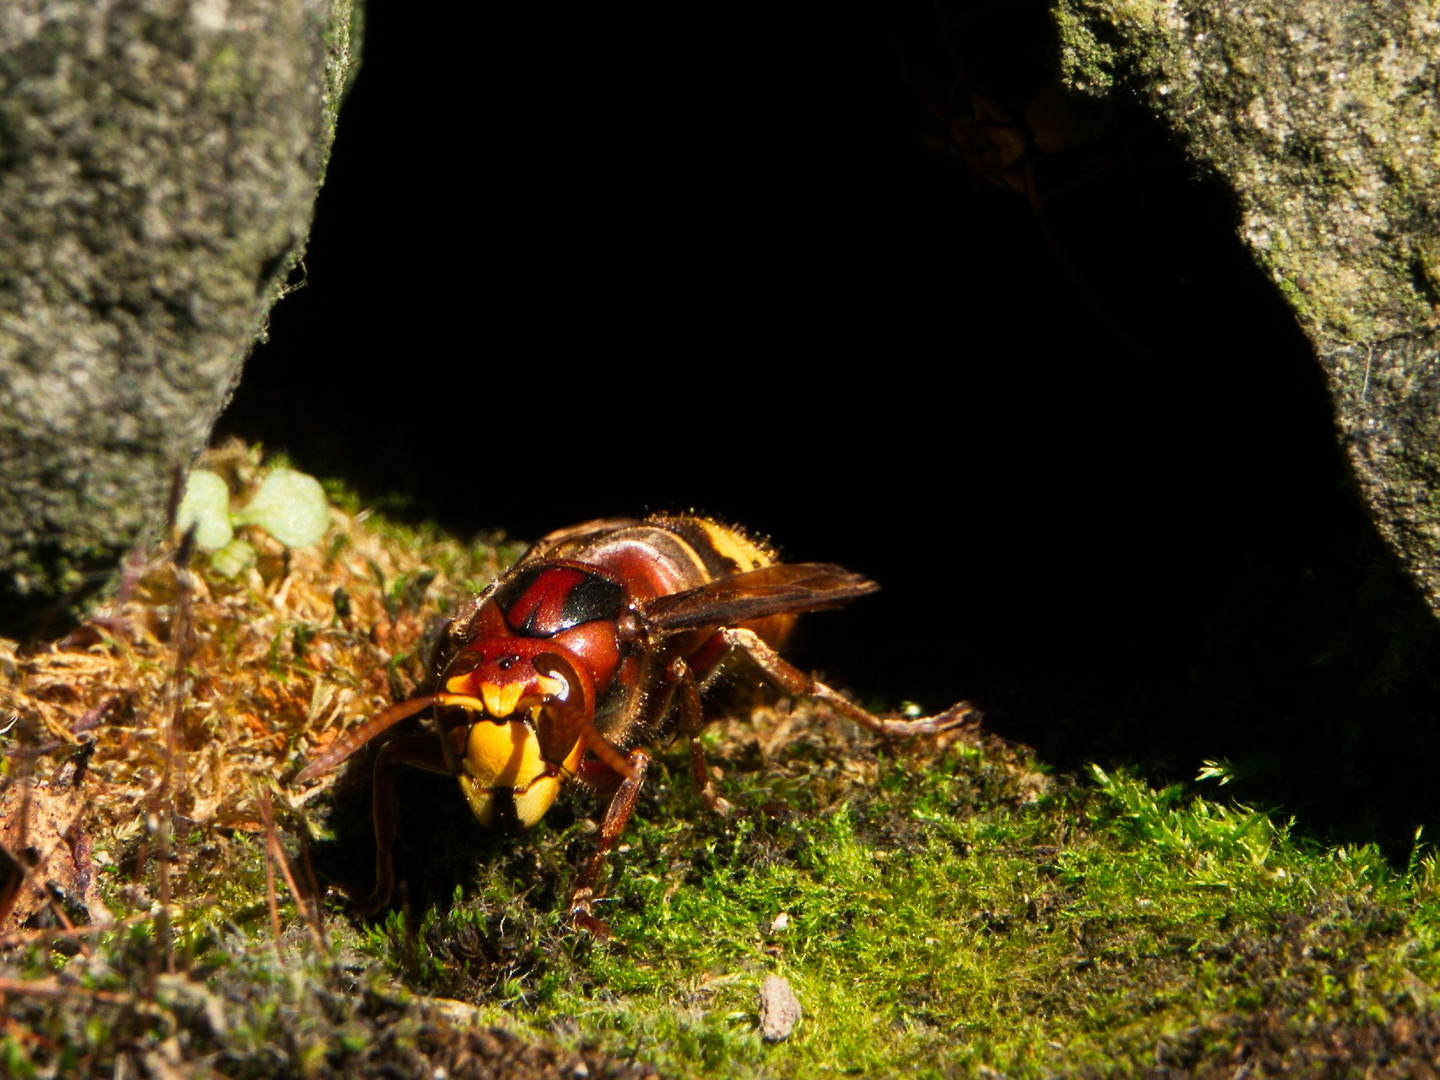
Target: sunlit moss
936,907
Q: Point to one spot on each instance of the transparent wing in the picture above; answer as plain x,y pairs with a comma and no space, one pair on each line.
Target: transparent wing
771,590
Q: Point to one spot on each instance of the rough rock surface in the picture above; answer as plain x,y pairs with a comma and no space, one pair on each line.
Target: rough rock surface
159,161
1324,119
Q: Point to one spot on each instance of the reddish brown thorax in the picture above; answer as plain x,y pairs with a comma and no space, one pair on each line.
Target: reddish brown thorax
554,608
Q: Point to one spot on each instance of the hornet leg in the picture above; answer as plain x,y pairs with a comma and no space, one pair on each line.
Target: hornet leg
794,681
423,751
692,720
617,815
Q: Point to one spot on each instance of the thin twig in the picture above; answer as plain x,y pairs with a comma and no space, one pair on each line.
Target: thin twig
183,637
277,854
310,878
49,988
32,937
163,921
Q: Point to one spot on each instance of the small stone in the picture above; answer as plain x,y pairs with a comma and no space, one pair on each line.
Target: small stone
779,1009
781,922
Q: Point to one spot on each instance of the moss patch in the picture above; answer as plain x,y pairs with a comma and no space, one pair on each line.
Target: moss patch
939,909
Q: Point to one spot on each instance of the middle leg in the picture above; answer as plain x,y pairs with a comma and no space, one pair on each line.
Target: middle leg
692,721
794,681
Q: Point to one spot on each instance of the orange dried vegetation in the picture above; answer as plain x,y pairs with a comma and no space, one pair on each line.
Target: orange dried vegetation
246,677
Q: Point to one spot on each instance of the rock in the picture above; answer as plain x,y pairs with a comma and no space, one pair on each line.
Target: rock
159,162
779,1009
1324,120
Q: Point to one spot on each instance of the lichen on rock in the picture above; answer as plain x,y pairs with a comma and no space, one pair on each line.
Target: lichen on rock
1324,121
158,167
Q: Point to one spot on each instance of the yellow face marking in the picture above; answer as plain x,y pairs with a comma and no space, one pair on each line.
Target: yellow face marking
531,804
503,755
505,759
460,701
500,701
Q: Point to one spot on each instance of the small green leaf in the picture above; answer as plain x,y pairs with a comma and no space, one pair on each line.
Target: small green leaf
234,558
206,506
290,506
1222,771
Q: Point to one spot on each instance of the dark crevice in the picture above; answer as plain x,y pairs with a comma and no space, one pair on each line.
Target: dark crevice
763,280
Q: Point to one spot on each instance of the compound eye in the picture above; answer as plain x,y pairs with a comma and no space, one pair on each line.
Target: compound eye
557,673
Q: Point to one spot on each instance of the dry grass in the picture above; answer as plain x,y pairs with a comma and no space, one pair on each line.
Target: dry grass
129,720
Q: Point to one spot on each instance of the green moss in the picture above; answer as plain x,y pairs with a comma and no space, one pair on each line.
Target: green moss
932,928
343,36
1089,65
224,76
935,910
935,923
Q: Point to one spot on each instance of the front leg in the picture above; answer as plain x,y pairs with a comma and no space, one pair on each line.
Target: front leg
692,721
794,681
617,815
423,751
